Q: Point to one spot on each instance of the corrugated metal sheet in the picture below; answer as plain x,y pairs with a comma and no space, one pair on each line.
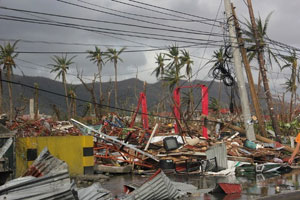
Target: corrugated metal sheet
230,188
44,164
159,187
219,151
47,178
94,192
51,186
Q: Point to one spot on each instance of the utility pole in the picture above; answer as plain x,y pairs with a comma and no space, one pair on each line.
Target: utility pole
239,74
249,75
261,61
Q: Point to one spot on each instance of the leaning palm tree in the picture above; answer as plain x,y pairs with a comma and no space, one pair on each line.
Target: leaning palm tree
262,27
291,83
114,56
7,56
61,66
97,57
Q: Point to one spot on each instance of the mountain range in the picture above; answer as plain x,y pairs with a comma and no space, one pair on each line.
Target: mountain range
128,93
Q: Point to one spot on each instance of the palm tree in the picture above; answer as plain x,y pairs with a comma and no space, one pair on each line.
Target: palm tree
97,57
159,70
159,73
185,60
61,66
7,56
114,56
174,65
262,28
171,78
291,83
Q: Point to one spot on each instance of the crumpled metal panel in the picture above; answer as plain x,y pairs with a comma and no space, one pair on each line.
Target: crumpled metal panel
51,186
94,192
159,187
47,178
44,164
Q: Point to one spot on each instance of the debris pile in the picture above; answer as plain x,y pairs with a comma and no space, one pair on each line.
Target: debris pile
120,147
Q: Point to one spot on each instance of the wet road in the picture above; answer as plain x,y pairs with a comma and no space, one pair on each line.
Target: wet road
255,187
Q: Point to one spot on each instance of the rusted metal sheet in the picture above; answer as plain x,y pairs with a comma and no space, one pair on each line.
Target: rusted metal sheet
44,164
230,188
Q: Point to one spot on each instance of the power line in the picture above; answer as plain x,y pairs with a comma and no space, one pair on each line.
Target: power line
200,68
162,8
145,21
103,30
196,32
67,43
139,15
128,4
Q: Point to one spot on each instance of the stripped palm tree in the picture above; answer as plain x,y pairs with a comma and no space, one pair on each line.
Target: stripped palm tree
61,66
185,60
114,56
97,57
159,70
7,56
291,83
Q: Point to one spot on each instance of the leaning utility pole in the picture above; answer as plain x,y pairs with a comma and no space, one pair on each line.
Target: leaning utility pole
259,48
239,74
249,75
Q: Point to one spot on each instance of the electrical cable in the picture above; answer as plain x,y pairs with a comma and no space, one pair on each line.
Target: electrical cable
128,4
191,15
138,15
110,31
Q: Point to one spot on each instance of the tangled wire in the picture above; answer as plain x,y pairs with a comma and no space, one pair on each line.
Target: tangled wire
221,69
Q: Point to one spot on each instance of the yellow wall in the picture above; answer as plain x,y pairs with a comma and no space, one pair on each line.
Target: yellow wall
66,148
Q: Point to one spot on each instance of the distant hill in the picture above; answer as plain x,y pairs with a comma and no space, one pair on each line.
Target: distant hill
128,92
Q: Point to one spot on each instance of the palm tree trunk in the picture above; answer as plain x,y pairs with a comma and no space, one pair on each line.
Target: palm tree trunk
100,83
66,94
291,106
1,91
36,101
116,81
8,74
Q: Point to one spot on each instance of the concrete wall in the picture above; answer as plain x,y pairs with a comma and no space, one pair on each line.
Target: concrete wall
76,151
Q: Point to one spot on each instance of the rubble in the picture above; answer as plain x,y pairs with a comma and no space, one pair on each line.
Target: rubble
123,148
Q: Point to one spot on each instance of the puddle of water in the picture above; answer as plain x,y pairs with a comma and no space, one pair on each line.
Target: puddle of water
253,186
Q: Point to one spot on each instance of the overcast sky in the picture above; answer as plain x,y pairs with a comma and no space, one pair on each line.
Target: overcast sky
283,27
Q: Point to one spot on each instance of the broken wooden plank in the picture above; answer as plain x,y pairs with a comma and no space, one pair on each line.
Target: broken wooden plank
241,159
